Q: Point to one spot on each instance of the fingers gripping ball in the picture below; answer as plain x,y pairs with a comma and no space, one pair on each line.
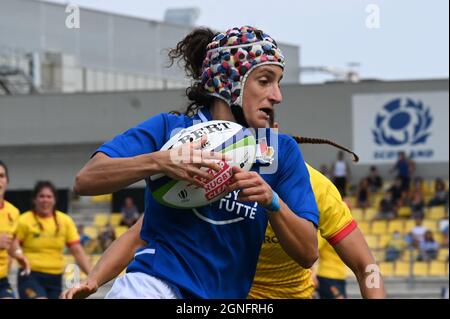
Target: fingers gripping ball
229,138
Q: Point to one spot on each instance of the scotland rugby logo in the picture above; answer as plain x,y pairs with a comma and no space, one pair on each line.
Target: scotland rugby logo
402,122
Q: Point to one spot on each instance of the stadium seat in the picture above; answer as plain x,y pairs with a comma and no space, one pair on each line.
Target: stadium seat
119,230
116,218
384,239
94,259
376,199
357,214
372,241
387,269
379,227
409,254
107,198
402,269
378,254
351,200
371,212
91,231
431,225
438,268
409,225
420,269
364,227
100,220
396,225
443,254
436,212
404,211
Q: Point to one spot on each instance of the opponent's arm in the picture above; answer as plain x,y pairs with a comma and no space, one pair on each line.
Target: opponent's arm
118,255
355,253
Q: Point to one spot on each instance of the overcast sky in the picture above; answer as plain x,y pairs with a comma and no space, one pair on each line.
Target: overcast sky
410,43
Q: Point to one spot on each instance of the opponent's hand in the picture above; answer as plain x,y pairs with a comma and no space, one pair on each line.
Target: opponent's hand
185,161
5,241
253,187
86,289
24,264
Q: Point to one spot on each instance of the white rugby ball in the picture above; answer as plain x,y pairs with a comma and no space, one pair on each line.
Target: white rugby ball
222,136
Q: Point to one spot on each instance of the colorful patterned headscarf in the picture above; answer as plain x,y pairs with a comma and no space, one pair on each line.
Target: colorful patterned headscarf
230,58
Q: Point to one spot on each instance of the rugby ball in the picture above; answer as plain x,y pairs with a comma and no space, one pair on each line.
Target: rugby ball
222,136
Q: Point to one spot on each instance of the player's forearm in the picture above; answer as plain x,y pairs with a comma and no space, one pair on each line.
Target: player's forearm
102,174
118,255
355,253
297,236
81,258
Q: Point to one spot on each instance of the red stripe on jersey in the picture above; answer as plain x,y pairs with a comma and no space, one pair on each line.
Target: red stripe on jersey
73,242
333,240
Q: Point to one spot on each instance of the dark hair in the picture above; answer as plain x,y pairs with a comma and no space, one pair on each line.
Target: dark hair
310,140
191,51
38,187
6,169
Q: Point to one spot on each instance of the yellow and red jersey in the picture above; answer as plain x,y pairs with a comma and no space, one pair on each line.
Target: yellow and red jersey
43,240
277,275
9,216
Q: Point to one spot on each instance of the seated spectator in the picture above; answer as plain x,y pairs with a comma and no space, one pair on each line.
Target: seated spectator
106,237
440,194
395,247
418,232
386,210
443,227
84,239
363,194
416,199
398,196
130,213
374,179
428,247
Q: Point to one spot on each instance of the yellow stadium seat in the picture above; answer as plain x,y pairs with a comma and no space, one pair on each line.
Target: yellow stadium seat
364,227
376,199
116,218
119,230
428,187
409,254
378,254
443,254
384,239
431,225
91,231
436,212
107,198
372,241
396,225
387,269
100,220
357,214
371,212
402,269
379,227
409,225
95,259
420,269
438,268
351,200
404,211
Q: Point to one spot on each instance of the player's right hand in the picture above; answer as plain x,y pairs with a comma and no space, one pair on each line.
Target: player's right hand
86,289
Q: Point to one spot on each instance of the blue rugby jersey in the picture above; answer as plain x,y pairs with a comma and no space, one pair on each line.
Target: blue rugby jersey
211,251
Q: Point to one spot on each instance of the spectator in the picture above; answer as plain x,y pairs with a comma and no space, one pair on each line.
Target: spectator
395,247
363,194
341,173
397,193
428,247
106,237
386,210
84,239
405,168
440,194
374,179
416,199
130,213
418,232
443,227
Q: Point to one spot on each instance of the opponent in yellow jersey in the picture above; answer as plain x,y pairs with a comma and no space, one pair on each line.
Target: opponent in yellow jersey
43,234
8,245
277,275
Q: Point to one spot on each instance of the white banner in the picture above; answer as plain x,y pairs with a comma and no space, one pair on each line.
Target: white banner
414,122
